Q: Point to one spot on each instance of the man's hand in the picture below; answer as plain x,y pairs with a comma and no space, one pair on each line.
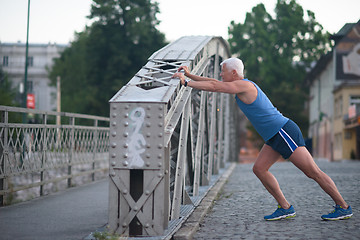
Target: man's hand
181,75
186,70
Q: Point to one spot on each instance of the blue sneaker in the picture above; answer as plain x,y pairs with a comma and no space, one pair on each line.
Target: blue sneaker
338,214
281,213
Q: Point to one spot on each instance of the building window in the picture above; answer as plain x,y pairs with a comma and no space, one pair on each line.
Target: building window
5,61
338,107
30,61
355,100
341,106
30,88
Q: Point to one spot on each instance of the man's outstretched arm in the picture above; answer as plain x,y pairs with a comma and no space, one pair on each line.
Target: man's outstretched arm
213,85
194,77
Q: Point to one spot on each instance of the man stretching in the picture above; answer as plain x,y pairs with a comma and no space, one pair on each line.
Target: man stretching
281,135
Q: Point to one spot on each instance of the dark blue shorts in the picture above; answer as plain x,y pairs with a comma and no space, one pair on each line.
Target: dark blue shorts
287,139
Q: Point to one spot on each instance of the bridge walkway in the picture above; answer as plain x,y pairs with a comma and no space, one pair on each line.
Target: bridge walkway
70,214
237,213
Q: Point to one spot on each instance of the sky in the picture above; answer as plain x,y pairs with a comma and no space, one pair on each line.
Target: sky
56,21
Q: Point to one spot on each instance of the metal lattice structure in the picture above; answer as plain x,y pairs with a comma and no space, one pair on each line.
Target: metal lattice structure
41,154
166,140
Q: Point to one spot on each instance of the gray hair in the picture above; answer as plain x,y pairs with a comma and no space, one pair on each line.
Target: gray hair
234,64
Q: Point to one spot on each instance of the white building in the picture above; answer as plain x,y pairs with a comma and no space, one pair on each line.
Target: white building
331,97
40,61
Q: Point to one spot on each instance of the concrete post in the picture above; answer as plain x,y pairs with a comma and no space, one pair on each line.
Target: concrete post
139,171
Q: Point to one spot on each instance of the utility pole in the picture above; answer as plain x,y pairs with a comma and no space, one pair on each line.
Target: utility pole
26,63
58,98
58,109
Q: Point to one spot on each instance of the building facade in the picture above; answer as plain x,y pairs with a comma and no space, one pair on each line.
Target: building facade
347,121
40,60
334,103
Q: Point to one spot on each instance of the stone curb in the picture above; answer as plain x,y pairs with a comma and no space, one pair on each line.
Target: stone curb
192,224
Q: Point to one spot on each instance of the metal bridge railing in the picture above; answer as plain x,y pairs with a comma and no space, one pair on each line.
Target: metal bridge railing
43,156
167,142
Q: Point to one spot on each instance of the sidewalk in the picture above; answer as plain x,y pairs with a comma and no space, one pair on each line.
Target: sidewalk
68,215
237,214
239,211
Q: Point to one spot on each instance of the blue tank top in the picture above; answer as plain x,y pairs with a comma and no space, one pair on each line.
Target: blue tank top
265,118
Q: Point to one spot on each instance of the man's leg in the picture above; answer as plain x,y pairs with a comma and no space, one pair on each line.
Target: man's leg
302,159
267,157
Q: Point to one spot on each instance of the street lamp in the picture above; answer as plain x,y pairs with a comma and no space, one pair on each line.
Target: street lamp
26,63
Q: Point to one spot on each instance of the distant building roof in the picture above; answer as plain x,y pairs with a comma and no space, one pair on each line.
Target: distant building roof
20,44
342,32
325,59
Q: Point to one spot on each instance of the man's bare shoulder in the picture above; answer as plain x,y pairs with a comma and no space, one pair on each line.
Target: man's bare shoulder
243,85
247,91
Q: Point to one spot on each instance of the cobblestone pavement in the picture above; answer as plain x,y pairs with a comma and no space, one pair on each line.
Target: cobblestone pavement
239,211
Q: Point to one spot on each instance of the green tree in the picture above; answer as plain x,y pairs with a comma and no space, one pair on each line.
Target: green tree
7,93
107,54
278,50
71,67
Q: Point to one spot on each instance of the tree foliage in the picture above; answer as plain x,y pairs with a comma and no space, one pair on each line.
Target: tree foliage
7,93
107,54
278,50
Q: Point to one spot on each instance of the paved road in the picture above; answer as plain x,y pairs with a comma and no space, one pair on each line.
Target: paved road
69,215
238,213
